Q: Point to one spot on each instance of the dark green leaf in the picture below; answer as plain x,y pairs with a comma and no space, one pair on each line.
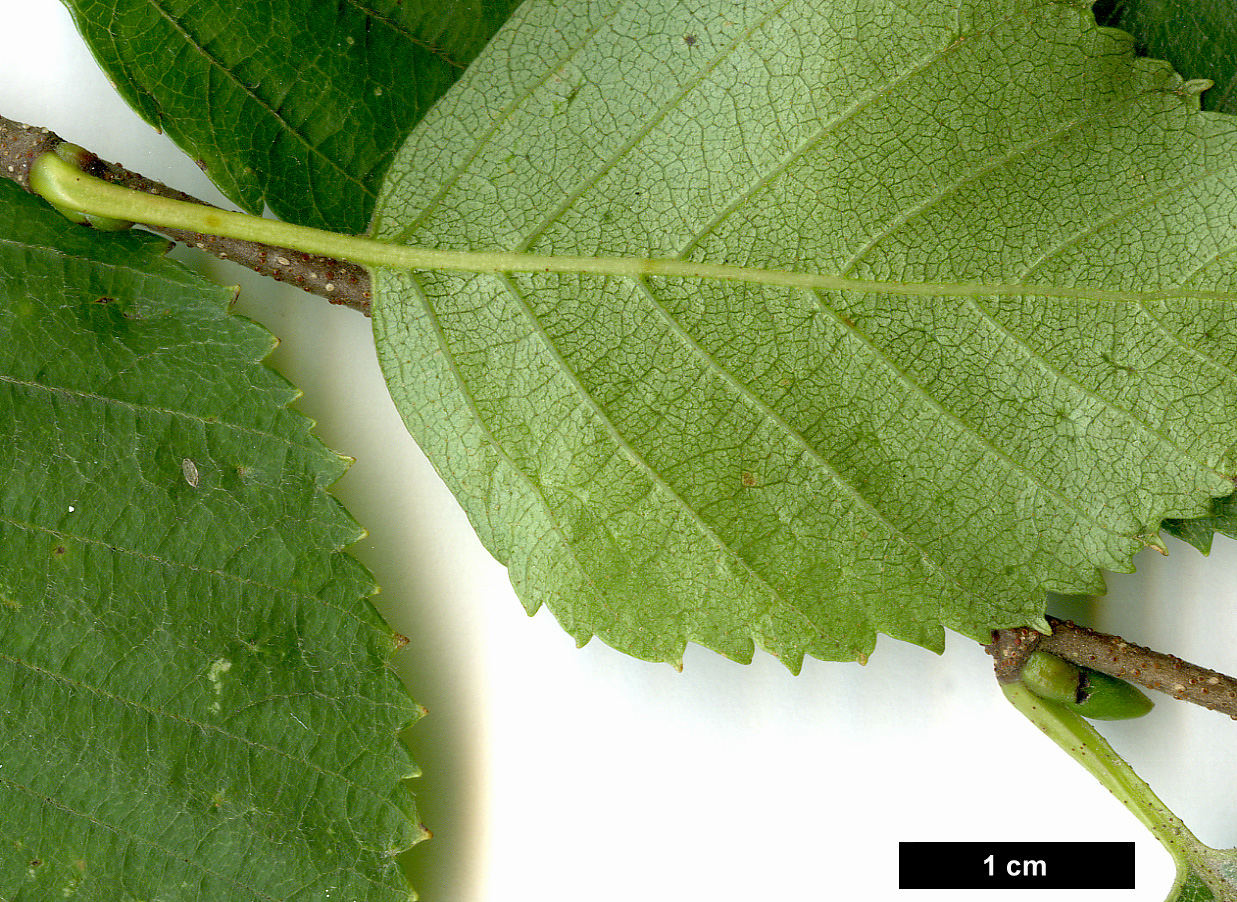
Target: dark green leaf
1199,37
1199,531
299,104
196,698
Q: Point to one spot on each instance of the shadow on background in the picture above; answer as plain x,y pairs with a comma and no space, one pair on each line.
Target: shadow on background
327,352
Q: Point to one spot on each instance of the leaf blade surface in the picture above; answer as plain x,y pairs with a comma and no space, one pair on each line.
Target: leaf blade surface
197,697
664,461
1199,39
299,105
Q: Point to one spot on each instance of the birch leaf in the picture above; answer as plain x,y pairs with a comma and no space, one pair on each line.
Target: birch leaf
1198,38
670,460
299,104
197,703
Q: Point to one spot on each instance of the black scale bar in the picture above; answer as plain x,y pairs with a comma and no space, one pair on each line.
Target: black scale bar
1033,865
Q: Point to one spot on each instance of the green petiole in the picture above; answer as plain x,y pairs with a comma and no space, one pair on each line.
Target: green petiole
75,193
1085,745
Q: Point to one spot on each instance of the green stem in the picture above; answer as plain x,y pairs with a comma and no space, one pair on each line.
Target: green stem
72,190
1092,751
1086,746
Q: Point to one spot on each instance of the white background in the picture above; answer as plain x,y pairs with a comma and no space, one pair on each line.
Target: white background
555,773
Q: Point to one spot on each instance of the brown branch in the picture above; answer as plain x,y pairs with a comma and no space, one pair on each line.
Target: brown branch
338,281
1152,669
1010,650
1116,657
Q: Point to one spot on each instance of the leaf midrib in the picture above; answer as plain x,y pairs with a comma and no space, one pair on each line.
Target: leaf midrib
629,451
923,65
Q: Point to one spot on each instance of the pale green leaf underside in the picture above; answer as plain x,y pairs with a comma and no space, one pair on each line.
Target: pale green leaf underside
673,460
197,703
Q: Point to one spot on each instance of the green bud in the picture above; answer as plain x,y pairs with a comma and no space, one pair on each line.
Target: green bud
83,160
1052,678
1104,697
1084,691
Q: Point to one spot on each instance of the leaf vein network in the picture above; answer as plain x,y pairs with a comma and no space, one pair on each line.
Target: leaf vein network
914,212
861,103
198,724
806,447
1039,361
222,574
277,115
451,179
655,119
1196,352
1125,212
626,448
935,404
498,448
407,34
148,408
131,837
